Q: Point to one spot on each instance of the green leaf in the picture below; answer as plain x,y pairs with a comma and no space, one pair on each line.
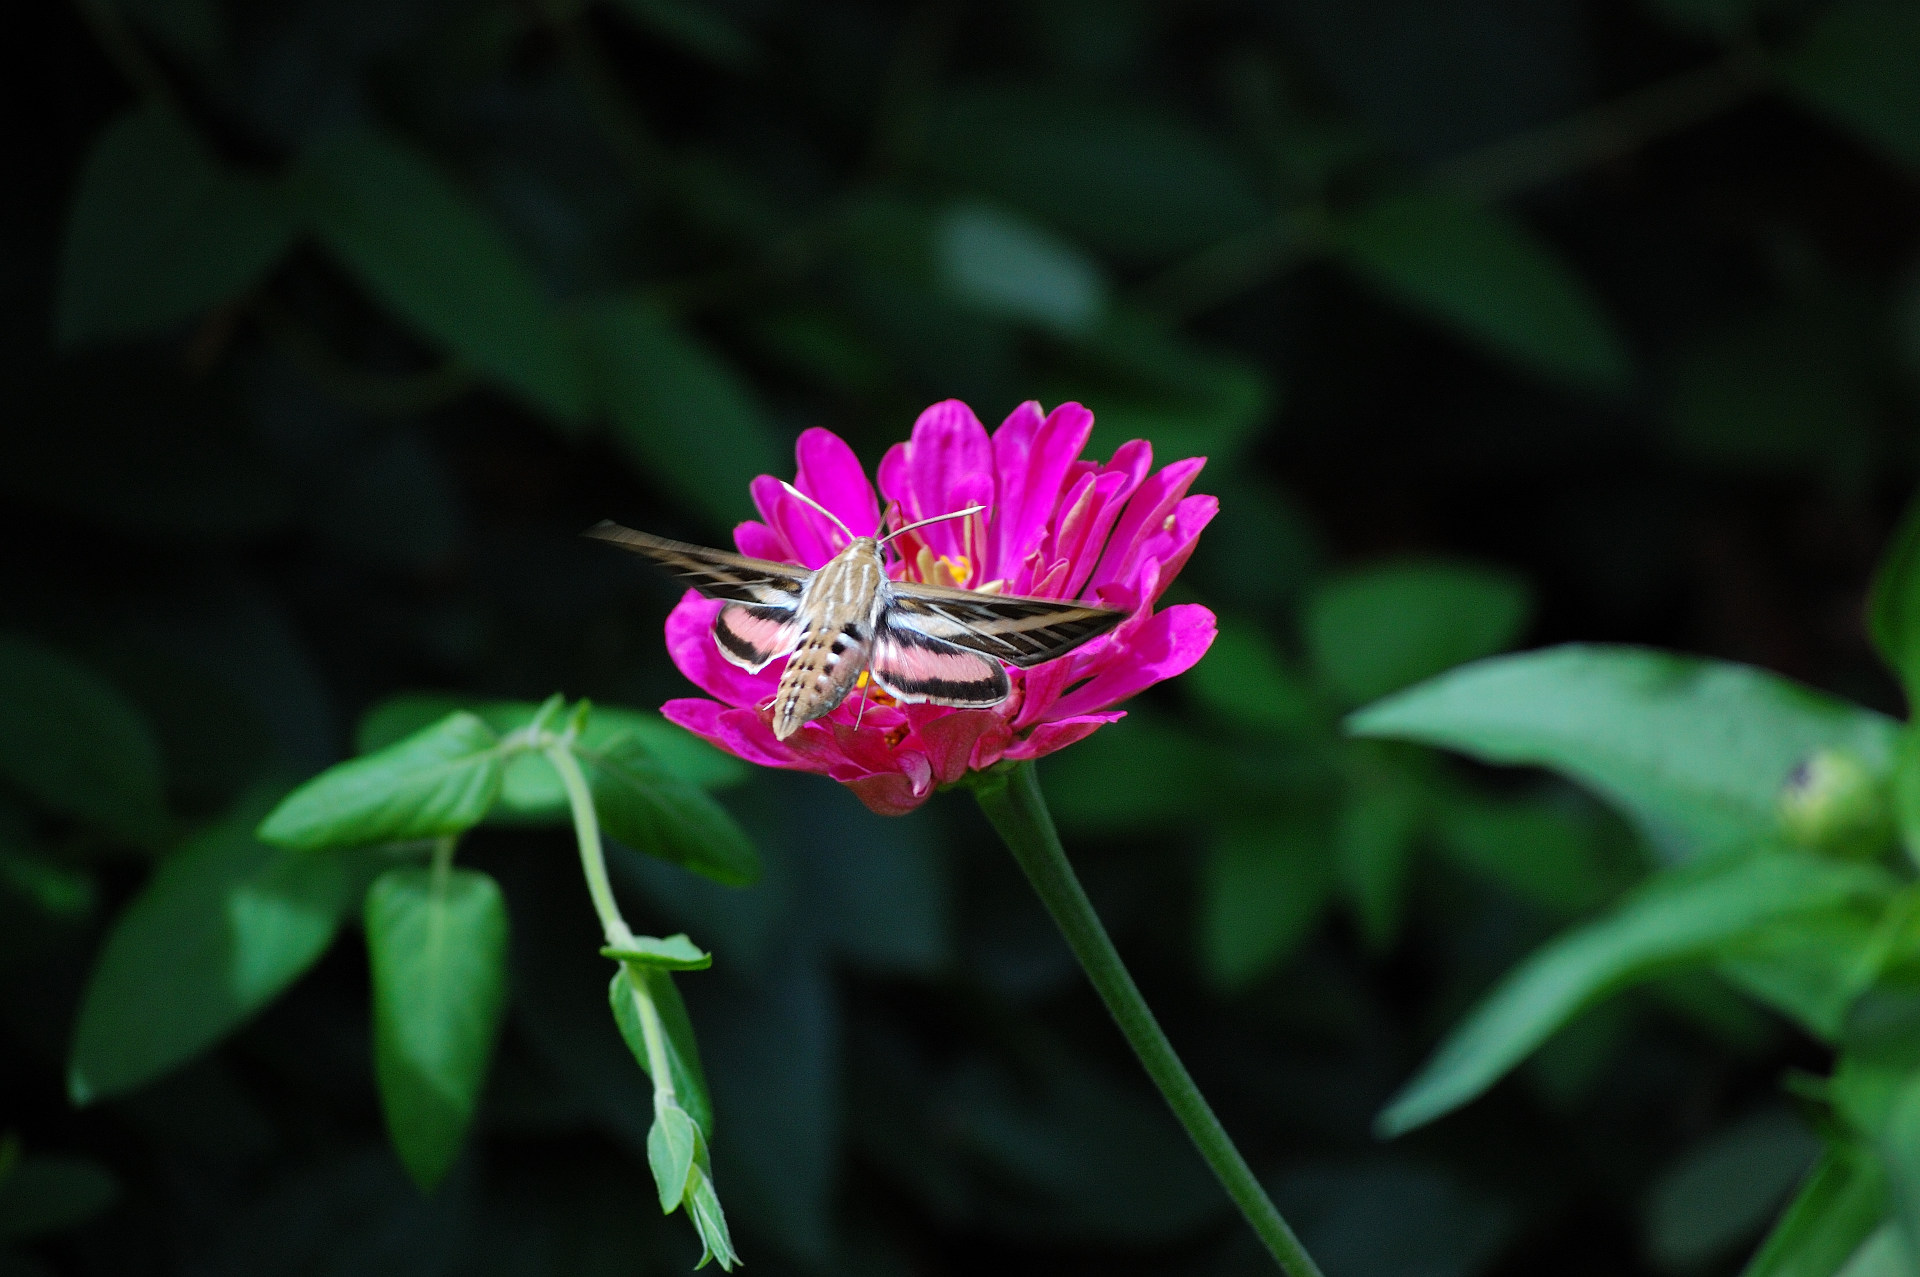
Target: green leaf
69,740
530,790
711,1222
426,250
1679,919
1837,1207
650,809
1384,628
1813,971
49,1194
160,232
657,379
1145,381
439,781
1244,679
1114,173
683,1053
1540,851
1695,750
1010,268
1723,1190
674,953
1373,850
437,940
671,1144
1893,604
223,927
1899,1144
1487,276
1855,64
1261,893
1885,1253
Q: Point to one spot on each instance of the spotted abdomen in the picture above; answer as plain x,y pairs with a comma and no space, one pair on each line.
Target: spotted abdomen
819,674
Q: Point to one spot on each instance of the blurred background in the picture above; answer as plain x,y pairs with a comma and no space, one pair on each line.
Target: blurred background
330,323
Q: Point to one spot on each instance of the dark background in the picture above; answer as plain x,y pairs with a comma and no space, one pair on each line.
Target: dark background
260,515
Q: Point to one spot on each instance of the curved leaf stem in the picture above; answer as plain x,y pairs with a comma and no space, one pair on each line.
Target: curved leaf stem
1014,804
586,829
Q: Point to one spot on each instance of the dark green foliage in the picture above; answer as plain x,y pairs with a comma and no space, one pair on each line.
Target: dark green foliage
437,946
224,926
331,325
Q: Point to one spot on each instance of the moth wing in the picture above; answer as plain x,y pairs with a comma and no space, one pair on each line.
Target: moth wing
1016,629
715,573
912,665
751,635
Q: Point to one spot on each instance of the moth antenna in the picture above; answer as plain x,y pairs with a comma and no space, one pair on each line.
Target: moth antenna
816,505
938,518
862,712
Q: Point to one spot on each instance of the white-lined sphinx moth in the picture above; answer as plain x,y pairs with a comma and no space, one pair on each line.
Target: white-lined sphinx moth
920,643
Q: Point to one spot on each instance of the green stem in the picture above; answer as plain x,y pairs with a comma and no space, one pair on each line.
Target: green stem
1014,804
586,829
593,861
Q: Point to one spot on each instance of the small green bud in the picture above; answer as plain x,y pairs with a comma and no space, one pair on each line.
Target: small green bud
1833,802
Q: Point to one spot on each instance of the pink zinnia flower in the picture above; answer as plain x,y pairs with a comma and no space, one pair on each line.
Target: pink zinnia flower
1055,526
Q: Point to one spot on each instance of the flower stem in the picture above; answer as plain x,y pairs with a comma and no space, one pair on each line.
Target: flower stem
1014,804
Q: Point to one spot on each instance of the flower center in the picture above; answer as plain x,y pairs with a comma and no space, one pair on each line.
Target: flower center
955,572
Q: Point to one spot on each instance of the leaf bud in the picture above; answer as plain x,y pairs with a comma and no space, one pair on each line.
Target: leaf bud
1833,802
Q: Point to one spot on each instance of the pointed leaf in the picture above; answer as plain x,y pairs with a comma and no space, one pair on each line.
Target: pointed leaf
161,232
650,809
1381,629
438,946
1722,1191
670,1148
530,789
426,250
675,953
1262,892
703,1204
1695,750
1681,918
683,1053
1490,278
1836,1209
657,378
70,741
439,781
224,926
1007,267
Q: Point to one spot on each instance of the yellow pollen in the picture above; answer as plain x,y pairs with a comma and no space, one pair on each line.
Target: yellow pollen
1168,525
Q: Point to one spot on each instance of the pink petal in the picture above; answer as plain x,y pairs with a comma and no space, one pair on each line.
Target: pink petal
690,644
762,542
1172,547
832,475
1032,456
889,795
946,465
1147,511
1089,510
810,535
952,738
1048,737
1167,644
740,732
